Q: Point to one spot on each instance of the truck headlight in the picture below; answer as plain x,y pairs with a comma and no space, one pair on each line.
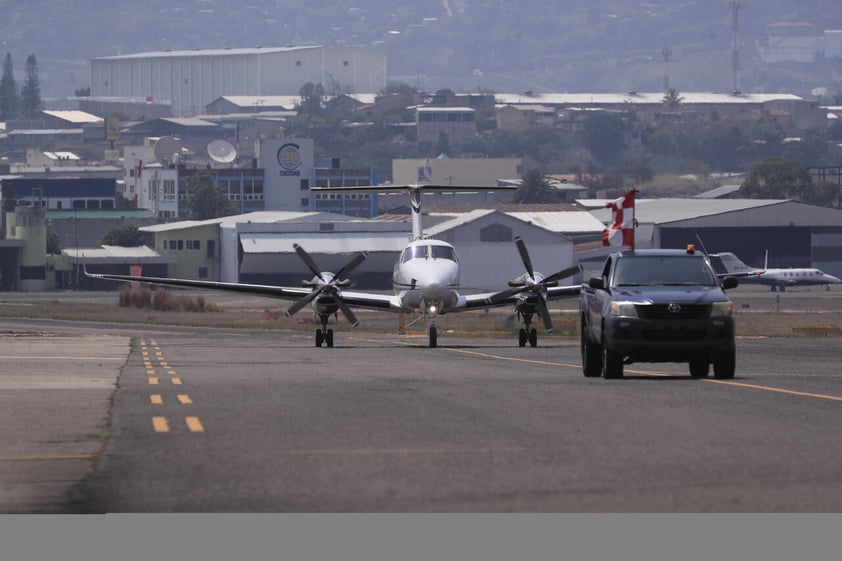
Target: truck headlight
626,309
722,309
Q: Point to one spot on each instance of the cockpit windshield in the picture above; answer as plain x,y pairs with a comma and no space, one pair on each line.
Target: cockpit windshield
443,252
414,252
428,252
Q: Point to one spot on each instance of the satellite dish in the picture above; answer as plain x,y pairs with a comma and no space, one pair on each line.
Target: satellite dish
222,151
167,149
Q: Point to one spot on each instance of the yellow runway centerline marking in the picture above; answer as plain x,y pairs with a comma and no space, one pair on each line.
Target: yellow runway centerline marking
185,399
513,359
153,381
369,451
194,424
648,373
160,424
176,381
156,399
46,457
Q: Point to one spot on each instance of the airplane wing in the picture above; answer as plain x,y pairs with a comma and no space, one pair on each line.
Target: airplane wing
371,300
282,292
481,301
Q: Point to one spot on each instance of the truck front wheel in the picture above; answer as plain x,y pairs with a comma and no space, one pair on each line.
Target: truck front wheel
612,363
725,365
591,356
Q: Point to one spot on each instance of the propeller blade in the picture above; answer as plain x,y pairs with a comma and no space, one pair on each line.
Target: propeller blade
505,294
350,265
524,256
298,304
545,314
568,272
349,315
307,260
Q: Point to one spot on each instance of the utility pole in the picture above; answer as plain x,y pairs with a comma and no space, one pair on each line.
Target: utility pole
735,6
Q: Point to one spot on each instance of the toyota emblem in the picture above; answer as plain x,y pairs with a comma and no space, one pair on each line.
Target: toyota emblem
674,308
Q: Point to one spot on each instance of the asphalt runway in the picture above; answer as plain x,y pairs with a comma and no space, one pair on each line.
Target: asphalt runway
236,420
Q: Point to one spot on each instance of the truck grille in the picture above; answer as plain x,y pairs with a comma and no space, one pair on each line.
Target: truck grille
673,335
664,311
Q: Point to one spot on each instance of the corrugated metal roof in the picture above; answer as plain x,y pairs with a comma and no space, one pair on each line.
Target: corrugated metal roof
562,222
77,117
285,101
642,98
661,211
208,52
719,192
114,251
189,122
261,217
344,242
457,220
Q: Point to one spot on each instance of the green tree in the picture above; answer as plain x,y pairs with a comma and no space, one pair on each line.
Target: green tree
8,90
604,135
311,98
535,189
82,92
53,244
30,93
778,178
123,236
206,199
672,98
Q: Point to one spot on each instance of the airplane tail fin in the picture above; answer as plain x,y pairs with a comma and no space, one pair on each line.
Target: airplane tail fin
732,263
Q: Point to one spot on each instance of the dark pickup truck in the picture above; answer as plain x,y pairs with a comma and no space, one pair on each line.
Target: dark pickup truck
657,305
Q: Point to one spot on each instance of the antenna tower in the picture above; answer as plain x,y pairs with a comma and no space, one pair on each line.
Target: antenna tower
735,6
667,54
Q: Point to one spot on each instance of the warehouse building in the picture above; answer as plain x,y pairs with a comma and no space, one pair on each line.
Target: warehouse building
191,80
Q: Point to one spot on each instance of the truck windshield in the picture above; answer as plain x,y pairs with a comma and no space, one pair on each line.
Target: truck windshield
663,270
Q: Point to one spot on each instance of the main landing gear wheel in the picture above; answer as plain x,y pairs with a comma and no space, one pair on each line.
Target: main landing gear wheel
433,336
319,338
524,336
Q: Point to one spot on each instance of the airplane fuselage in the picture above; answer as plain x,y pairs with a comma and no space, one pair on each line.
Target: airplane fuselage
426,277
792,277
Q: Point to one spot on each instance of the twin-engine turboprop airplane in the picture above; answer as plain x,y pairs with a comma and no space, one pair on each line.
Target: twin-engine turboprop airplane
425,279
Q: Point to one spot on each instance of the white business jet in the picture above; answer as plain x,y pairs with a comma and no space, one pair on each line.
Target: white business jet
776,278
425,279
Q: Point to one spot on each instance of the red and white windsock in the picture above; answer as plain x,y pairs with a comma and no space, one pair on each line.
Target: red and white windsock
621,231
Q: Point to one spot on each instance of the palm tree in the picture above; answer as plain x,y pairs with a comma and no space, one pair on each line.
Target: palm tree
534,188
672,98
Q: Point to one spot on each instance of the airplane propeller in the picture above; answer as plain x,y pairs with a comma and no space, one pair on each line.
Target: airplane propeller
537,285
323,284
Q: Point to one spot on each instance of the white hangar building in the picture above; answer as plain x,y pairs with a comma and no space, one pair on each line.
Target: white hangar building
795,233
258,247
191,80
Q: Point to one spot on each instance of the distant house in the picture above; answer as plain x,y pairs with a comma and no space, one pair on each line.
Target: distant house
194,133
228,104
458,124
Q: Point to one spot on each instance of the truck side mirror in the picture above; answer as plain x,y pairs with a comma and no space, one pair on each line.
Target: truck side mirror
730,282
596,283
